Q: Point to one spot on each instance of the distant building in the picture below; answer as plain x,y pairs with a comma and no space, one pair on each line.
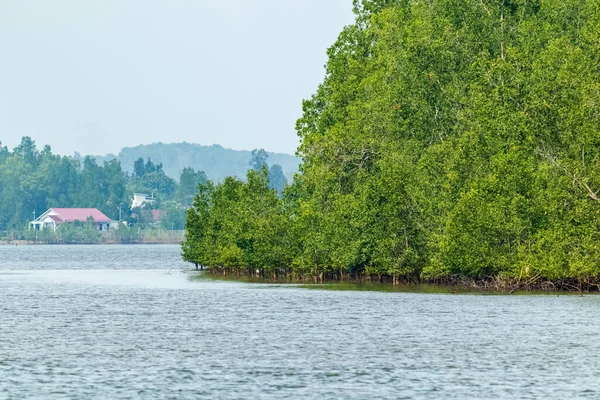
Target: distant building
139,199
157,215
55,217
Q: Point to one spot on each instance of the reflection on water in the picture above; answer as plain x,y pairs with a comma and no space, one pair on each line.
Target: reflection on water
79,322
157,279
75,257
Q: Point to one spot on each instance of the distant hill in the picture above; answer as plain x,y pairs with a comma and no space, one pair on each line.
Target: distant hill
216,161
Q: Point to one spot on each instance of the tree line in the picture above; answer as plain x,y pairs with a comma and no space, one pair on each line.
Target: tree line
31,181
448,139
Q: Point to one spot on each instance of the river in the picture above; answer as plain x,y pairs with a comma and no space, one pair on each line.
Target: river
131,322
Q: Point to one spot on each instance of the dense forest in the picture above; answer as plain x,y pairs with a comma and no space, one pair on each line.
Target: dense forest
31,181
447,140
216,161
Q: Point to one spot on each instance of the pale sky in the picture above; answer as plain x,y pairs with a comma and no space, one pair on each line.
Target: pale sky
94,76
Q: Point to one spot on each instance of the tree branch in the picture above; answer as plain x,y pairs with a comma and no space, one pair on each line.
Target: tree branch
484,7
576,179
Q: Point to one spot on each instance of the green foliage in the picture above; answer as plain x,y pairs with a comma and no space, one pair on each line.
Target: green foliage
447,138
139,168
277,179
31,180
174,216
196,227
150,178
238,225
189,181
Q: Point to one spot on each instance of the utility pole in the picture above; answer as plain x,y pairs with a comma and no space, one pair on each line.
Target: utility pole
34,227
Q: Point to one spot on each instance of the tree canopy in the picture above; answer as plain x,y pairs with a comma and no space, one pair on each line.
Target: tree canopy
33,180
447,138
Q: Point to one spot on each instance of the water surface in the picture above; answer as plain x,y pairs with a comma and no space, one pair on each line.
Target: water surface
128,322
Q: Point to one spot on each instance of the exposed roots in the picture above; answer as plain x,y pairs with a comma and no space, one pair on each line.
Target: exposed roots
488,284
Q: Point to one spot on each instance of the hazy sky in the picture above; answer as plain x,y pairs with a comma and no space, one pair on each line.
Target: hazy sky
96,75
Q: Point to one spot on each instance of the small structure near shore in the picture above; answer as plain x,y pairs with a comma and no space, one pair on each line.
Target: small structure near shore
55,217
139,199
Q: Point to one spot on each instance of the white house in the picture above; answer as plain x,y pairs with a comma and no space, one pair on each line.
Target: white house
55,217
139,199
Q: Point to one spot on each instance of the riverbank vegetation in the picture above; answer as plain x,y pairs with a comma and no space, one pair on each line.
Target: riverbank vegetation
448,141
31,181
87,234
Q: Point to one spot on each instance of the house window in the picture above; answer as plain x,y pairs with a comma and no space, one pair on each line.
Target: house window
100,227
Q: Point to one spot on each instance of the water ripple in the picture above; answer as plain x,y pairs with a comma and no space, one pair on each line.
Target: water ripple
138,328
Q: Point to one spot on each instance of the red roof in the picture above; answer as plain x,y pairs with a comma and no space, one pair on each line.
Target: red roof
81,214
55,218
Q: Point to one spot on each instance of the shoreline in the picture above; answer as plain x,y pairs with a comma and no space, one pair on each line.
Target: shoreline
30,243
115,236
449,286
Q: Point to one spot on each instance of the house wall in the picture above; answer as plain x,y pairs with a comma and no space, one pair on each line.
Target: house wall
140,199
